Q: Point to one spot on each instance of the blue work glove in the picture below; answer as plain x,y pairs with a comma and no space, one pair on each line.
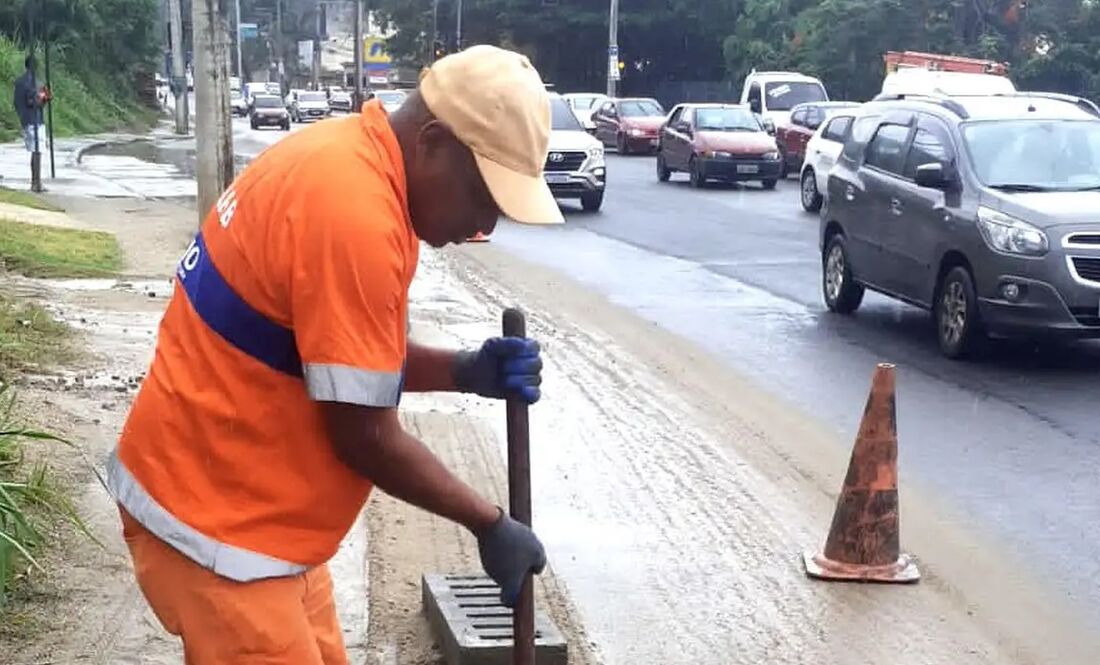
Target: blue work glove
509,550
503,367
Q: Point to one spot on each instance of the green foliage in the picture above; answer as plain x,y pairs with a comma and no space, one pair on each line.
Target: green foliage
1050,45
83,103
29,500
45,251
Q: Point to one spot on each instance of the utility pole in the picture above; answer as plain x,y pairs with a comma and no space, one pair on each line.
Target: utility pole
358,99
213,130
179,76
240,60
435,30
458,25
279,39
317,48
613,49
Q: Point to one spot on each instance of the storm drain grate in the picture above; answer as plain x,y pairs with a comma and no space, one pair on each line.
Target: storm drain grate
475,629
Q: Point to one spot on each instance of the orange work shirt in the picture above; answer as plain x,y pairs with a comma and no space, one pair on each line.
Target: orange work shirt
295,291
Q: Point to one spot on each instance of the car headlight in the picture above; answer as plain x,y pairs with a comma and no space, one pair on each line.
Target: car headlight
771,156
1005,233
595,154
636,132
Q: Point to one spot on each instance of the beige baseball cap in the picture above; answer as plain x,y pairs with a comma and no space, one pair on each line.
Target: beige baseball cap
496,104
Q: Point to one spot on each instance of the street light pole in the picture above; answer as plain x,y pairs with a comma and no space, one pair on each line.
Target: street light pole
613,49
435,30
458,26
358,99
240,60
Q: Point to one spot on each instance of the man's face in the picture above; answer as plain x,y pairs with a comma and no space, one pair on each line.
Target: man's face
448,199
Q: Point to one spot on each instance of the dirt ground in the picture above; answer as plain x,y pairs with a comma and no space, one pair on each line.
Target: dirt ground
674,497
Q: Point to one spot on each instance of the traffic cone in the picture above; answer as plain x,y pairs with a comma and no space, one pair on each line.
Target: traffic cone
864,540
478,237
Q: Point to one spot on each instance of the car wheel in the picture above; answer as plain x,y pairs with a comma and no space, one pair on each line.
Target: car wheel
253,125
620,144
286,126
842,294
592,201
695,173
811,199
769,184
958,321
663,172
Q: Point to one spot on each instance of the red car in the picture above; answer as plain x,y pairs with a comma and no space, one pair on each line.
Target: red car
717,142
805,119
629,124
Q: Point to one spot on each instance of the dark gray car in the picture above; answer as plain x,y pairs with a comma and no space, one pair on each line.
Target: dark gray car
985,210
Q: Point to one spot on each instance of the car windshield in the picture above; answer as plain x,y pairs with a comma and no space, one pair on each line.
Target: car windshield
390,97
785,95
267,102
561,118
584,102
726,120
1035,155
311,97
640,108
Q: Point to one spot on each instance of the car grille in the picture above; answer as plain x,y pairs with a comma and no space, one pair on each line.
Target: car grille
569,160
1087,268
1086,316
1089,239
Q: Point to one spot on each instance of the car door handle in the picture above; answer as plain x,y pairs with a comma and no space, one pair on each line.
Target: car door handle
895,207
850,193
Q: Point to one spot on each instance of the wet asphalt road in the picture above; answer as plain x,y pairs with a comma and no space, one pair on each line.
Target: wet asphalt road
1010,442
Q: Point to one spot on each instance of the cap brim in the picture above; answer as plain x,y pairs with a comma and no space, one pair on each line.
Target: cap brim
521,197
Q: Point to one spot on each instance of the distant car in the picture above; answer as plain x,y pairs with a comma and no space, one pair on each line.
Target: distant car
717,142
575,167
391,99
981,209
238,105
821,154
308,105
805,120
772,95
584,104
339,99
629,124
268,111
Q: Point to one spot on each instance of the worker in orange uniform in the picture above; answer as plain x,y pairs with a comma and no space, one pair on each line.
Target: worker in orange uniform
270,409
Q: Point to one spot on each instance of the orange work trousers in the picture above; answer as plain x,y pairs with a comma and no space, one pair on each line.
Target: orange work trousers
277,621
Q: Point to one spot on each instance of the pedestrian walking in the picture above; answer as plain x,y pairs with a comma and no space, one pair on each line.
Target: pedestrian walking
270,408
28,101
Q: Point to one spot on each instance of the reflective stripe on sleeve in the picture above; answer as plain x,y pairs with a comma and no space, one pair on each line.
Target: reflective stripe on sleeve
228,561
351,385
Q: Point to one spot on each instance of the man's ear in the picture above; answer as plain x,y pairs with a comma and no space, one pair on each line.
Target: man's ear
432,137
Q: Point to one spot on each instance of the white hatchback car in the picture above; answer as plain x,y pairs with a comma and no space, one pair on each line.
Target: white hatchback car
821,154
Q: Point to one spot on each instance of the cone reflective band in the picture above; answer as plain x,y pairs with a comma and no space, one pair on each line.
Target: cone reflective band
864,540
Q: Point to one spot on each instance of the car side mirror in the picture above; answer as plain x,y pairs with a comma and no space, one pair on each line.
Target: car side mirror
934,176
683,127
754,106
769,125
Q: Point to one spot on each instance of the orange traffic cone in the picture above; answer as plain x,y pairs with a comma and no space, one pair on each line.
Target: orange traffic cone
863,543
478,237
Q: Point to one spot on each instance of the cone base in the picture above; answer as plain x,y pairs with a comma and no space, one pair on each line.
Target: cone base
902,571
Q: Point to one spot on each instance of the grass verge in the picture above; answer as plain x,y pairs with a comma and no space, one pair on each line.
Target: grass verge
45,251
27,200
30,337
29,501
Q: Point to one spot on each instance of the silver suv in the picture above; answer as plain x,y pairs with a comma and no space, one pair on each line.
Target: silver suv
985,210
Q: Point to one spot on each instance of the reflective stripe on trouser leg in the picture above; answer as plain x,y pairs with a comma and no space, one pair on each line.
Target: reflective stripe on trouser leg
229,561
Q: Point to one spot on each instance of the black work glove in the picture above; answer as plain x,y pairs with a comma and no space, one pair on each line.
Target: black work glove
502,367
509,551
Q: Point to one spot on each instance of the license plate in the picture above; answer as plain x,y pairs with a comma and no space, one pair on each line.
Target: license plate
556,178
748,168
